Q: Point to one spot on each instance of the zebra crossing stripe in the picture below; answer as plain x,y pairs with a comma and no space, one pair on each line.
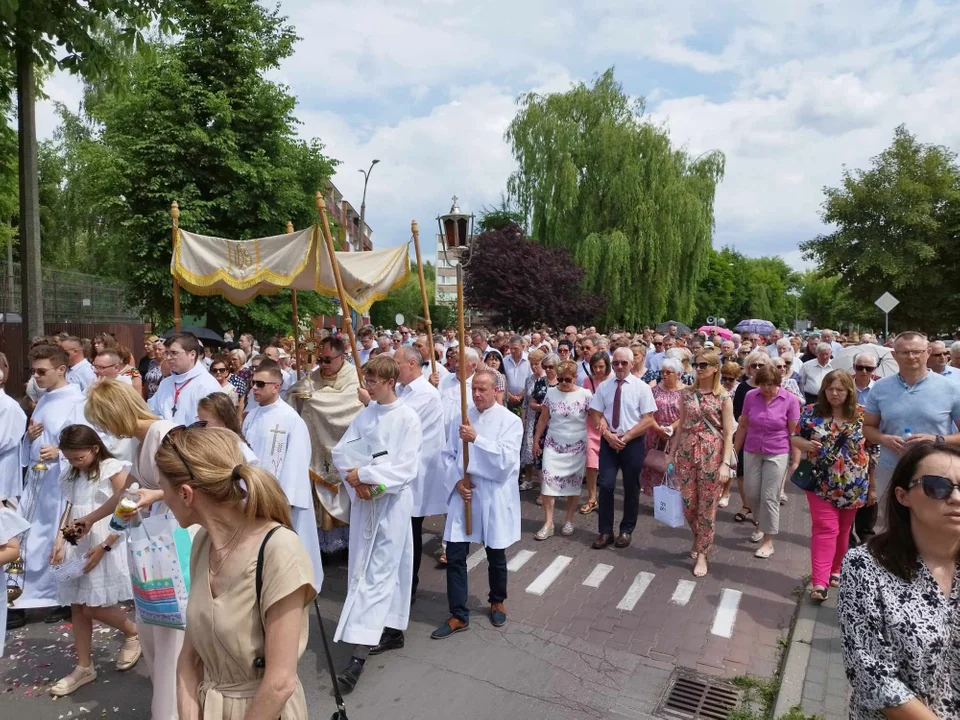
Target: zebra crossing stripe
598,575
476,558
683,593
726,613
639,586
520,559
547,577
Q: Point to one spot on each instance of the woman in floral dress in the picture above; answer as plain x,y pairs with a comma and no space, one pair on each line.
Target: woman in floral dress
529,419
667,394
700,451
563,428
830,434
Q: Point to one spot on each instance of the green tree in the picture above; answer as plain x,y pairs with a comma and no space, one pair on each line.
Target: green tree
599,179
898,230
35,35
197,122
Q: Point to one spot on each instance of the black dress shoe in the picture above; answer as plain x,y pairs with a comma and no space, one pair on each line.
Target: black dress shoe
623,540
388,641
602,541
348,677
16,619
57,614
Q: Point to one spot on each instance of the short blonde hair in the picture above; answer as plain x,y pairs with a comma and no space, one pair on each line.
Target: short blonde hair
116,407
757,356
534,357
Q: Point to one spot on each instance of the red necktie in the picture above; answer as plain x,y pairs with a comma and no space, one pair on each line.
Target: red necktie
616,406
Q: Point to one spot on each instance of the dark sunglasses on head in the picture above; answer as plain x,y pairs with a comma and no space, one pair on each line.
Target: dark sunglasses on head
935,487
703,365
261,384
863,368
174,432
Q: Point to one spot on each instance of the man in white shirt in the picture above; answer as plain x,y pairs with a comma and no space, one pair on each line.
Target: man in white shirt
773,347
480,342
367,344
429,497
79,371
828,337
813,372
655,358
385,342
624,408
188,382
588,347
517,369
494,435
938,361
450,339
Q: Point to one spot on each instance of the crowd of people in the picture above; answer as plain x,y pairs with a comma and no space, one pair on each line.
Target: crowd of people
272,466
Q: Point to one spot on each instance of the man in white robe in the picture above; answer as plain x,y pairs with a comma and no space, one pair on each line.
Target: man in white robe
13,423
378,458
494,435
79,370
42,503
449,388
425,347
429,497
280,439
189,381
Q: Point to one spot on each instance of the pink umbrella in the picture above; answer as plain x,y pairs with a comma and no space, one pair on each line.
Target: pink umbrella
711,330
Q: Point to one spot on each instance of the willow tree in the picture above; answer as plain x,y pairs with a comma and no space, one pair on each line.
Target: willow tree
598,178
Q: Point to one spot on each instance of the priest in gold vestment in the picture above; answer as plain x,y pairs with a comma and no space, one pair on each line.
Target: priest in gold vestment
327,401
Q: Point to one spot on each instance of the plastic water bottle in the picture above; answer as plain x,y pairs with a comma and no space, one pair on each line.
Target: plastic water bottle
125,516
906,434
377,490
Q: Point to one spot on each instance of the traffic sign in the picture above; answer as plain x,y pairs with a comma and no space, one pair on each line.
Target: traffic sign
886,302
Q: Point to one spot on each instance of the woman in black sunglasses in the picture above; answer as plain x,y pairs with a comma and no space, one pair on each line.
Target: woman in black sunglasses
900,595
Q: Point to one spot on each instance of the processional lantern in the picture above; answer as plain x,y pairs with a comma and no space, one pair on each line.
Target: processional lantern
456,231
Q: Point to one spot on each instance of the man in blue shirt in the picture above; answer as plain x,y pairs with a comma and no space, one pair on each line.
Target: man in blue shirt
911,407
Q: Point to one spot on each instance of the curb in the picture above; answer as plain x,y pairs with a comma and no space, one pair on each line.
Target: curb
798,655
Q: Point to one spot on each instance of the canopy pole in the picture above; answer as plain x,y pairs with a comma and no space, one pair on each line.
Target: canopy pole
296,318
175,216
348,323
415,229
468,518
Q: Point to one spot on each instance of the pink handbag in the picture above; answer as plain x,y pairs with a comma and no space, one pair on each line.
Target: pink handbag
657,461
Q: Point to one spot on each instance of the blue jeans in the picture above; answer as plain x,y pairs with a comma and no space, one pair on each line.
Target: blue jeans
628,461
457,577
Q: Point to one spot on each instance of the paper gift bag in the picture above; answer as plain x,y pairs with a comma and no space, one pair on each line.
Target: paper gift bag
668,506
159,557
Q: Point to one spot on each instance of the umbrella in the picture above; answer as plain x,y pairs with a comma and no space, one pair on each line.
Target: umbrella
681,328
886,365
711,330
201,333
761,327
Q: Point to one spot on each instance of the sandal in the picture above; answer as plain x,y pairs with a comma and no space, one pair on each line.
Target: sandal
834,580
743,515
544,532
74,681
763,554
442,560
819,594
588,507
783,498
129,653
723,502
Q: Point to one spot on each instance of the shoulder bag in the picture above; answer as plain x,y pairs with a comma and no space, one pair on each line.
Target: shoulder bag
732,463
808,474
341,712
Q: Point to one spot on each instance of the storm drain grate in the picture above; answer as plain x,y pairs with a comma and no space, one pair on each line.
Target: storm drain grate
692,697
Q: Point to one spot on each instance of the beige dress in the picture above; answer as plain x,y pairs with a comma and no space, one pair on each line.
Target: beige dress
226,630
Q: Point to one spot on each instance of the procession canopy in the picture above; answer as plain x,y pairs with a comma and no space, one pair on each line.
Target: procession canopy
240,270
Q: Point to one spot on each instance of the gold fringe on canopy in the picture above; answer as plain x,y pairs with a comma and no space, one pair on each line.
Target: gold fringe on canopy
240,270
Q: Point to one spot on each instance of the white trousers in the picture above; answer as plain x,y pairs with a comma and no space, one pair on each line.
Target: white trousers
161,649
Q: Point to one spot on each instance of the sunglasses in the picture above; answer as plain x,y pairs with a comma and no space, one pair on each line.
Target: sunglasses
567,379
549,367
620,363
863,368
940,354
327,361
935,487
727,378
219,371
261,384
657,344
756,366
703,365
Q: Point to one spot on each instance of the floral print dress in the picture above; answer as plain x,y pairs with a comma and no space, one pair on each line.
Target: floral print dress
846,482
529,424
668,410
565,443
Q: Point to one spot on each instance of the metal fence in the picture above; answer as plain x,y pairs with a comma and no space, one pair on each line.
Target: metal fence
70,297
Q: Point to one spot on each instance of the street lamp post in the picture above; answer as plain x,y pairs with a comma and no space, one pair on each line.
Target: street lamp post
363,201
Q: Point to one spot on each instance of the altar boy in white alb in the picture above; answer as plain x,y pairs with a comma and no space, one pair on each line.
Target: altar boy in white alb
189,381
378,458
429,497
494,435
280,439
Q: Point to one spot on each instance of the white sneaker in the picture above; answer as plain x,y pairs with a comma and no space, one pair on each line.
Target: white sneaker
756,537
74,681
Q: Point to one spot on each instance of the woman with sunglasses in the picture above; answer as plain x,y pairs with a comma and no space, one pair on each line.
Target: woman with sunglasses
699,450
540,387
242,643
220,369
784,367
730,373
899,596
830,434
768,420
562,428
599,371
752,363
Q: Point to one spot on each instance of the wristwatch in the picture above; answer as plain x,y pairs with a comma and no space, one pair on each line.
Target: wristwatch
940,440
106,548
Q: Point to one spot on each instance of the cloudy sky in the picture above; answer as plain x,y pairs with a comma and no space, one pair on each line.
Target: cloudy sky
790,91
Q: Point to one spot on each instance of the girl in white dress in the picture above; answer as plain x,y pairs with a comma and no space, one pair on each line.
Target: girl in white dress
564,421
11,527
93,477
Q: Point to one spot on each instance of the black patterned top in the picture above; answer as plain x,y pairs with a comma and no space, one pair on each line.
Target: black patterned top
899,638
